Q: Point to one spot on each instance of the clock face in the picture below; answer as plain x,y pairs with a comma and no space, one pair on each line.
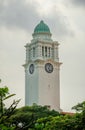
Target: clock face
31,68
49,67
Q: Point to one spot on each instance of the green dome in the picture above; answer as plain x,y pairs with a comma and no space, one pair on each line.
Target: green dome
42,28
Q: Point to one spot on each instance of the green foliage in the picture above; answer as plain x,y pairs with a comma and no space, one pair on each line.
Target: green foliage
3,127
64,122
38,117
80,107
58,123
4,94
5,113
4,91
27,116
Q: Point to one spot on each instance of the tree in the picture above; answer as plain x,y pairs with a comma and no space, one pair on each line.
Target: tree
5,113
26,117
64,122
80,108
4,94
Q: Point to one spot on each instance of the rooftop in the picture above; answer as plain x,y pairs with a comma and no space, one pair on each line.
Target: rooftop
42,28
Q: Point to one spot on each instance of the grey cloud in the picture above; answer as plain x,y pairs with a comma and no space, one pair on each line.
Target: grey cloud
18,13
78,2
60,27
59,24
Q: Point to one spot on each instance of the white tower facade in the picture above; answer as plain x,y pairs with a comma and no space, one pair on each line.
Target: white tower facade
42,69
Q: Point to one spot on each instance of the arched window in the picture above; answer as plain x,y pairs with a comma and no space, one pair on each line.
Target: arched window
45,51
33,51
42,51
48,51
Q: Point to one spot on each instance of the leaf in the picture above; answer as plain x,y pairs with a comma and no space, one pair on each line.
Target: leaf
9,96
0,80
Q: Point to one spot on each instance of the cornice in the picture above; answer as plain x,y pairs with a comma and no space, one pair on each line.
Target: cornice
41,62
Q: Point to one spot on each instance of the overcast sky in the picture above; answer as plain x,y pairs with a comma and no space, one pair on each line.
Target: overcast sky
66,20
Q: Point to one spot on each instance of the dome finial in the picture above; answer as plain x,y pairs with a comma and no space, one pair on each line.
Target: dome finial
41,21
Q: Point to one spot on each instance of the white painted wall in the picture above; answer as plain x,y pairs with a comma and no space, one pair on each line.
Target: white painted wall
49,88
31,87
41,87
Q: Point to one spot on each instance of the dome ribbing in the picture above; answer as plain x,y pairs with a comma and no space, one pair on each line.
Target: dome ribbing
42,28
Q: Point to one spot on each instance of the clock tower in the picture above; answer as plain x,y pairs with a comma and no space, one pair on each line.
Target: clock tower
42,76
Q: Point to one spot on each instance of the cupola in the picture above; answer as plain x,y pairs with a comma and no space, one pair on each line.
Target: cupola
42,31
